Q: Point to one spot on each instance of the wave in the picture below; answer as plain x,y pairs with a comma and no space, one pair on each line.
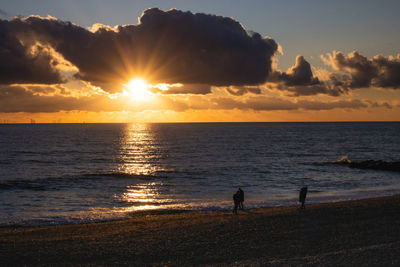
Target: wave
369,164
40,161
123,175
57,183
23,184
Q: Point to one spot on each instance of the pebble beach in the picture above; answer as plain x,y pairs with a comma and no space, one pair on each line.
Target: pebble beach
353,233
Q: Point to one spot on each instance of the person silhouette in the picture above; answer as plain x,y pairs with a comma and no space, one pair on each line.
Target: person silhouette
302,196
241,198
236,200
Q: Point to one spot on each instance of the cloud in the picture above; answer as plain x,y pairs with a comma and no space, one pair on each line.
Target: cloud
363,72
351,72
36,99
165,47
22,64
299,80
241,90
388,71
273,103
178,89
298,75
361,69
3,13
17,99
381,104
323,88
265,103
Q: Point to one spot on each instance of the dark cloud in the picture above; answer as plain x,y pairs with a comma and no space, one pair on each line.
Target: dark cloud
341,104
323,88
380,105
241,90
20,99
165,47
298,75
17,99
31,99
363,72
19,64
354,71
388,71
201,89
361,69
273,104
300,81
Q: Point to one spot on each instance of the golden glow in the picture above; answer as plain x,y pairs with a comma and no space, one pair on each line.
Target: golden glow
136,151
143,193
143,197
146,196
137,88
164,116
139,157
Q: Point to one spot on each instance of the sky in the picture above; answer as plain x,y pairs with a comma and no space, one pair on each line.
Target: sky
199,61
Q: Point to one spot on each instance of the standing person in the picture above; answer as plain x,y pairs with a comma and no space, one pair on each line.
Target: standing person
241,198
302,196
236,201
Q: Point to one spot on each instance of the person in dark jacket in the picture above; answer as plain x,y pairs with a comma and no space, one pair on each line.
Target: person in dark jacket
302,196
241,198
236,200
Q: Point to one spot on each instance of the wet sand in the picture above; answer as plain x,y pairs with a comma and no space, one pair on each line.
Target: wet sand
354,233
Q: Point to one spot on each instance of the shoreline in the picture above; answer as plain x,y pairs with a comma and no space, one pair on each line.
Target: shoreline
355,232
315,200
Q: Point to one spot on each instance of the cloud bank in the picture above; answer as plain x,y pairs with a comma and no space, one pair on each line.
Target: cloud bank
20,99
198,55
299,80
165,47
353,71
20,63
363,72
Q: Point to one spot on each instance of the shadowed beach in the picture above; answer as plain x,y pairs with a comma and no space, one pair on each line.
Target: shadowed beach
353,233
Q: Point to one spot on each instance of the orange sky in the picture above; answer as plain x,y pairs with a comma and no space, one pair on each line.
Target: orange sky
172,72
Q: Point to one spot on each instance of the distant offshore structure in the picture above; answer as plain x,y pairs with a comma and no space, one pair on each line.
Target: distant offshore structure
33,121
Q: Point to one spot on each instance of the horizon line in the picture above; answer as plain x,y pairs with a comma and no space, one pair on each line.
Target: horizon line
197,122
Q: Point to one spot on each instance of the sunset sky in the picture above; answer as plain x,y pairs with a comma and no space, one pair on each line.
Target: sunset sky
199,61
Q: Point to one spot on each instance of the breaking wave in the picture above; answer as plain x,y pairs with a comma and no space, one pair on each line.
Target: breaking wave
370,164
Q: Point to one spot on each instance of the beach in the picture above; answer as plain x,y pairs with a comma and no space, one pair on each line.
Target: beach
352,233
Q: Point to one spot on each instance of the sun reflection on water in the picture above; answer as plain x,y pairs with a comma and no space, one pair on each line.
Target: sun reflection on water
147,196
138,151
143,193
140,155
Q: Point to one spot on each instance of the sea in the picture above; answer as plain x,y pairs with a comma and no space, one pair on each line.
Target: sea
52,174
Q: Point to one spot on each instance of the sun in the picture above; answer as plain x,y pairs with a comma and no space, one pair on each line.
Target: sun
137,88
